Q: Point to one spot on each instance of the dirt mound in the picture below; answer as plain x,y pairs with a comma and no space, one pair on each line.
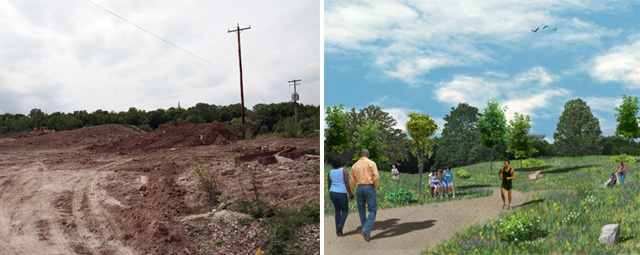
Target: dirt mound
95,135
176,135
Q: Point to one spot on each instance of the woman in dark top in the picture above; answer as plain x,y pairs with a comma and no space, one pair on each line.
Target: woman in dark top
506,174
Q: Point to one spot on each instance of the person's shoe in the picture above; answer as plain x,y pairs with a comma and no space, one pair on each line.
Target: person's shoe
366,237
339,232
503,206
454,195
446,194
509,207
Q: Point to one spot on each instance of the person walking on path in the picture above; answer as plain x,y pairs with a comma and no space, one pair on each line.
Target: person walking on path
338,189
622,172
449,181
364,173
506,174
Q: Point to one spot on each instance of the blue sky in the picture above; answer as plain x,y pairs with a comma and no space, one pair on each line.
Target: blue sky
428,56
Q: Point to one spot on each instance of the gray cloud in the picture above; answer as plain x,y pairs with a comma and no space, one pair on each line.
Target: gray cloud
71,55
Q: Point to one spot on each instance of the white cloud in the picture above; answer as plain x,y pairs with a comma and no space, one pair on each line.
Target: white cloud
400,115
525,93
68,55
604,104
410,39
620,64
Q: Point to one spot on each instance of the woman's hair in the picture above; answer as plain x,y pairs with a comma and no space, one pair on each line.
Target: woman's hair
622,163
508,161
447,168
336,163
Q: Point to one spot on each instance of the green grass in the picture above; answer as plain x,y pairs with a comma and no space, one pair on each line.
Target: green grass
570,221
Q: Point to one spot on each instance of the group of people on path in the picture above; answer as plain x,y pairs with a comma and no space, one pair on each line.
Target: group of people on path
364,176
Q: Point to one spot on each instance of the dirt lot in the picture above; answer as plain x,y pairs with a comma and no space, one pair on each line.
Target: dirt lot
115,189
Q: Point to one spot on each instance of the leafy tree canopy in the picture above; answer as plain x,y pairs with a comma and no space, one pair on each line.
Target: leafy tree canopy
578,131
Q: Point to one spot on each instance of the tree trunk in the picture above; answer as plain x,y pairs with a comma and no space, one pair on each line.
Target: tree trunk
493,155
420,178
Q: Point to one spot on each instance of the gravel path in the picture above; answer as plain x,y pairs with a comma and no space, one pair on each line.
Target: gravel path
411,229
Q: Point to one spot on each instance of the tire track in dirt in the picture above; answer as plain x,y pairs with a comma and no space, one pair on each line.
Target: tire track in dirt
87,239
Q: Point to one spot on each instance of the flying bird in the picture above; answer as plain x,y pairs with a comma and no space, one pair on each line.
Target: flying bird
545,27
555,29
536,30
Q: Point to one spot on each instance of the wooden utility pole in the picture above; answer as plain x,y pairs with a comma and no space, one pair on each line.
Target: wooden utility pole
238,30
295,99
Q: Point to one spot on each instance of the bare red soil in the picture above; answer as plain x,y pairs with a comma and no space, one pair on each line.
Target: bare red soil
114,189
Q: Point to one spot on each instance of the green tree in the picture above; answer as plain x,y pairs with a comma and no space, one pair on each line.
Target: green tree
38,118
368,136
492,125
627,117
459,144
336,134
543,147
421,127
519,144
392,138
578,131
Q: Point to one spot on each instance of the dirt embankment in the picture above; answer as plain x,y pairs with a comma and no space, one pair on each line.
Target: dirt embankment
114,189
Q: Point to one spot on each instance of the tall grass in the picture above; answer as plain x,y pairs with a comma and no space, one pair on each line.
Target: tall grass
570,220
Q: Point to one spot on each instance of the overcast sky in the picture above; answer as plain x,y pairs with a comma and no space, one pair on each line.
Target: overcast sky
72,55
428,56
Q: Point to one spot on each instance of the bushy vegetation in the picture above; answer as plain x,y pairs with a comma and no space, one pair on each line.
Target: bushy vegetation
283,224
206,181
518,226
463,174
570,221
532,162
624,158
401,196
262,120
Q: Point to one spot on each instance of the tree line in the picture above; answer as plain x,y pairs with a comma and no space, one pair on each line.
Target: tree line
470,136
263,119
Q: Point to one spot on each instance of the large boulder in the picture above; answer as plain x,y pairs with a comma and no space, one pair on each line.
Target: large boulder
610,234
535,175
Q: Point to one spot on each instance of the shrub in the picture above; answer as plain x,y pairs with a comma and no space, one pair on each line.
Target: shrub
624,158
206,181
284,227
463,174
532,162
518,226
399,196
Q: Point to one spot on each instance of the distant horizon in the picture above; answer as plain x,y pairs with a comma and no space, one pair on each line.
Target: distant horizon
250,108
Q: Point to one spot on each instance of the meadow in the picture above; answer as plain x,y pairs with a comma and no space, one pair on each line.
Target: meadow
566,219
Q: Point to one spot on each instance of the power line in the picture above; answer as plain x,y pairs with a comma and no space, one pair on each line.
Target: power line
156,36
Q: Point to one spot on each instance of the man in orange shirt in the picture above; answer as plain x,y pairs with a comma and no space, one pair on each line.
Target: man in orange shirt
364,173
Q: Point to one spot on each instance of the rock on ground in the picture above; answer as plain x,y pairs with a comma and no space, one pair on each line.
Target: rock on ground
610,234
